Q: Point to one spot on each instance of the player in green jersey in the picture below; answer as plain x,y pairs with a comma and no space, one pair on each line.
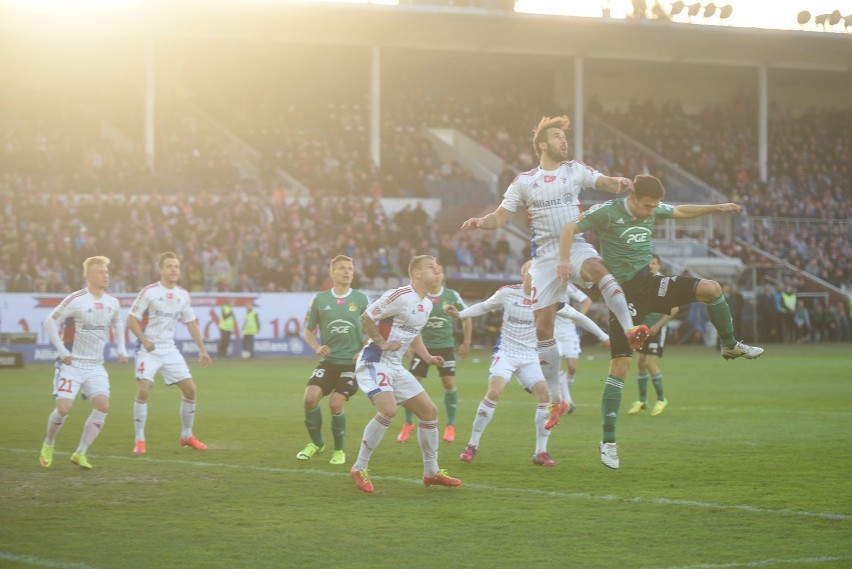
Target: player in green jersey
650,353
440,340
624,227
336,313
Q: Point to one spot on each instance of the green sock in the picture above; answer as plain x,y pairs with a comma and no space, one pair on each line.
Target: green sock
313,421
658,385
409,416
609,407
338,429
642,380
451,400
720,315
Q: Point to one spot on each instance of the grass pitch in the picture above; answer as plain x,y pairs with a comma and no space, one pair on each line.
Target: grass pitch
750,466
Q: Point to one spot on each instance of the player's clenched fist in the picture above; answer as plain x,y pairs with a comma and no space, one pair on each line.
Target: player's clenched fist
471,224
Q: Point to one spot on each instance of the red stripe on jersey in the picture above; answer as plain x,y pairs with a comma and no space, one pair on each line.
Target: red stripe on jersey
570,162
399,292
72,296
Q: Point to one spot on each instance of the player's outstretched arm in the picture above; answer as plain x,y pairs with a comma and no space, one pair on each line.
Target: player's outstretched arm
614,185
494,220
689,211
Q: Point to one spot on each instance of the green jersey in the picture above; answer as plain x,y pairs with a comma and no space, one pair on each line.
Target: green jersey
625,241
339,320
438,332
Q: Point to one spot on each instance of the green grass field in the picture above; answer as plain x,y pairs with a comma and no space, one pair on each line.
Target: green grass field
750,466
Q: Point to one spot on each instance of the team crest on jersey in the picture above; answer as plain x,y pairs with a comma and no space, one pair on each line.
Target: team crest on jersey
353,307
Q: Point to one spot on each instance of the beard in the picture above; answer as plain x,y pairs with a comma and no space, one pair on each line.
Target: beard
556,154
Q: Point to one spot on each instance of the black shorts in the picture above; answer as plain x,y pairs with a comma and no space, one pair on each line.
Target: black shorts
419,368
335,377
654,345
647,292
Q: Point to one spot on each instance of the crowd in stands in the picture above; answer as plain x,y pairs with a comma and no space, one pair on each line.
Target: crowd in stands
227,242
809,164
52,160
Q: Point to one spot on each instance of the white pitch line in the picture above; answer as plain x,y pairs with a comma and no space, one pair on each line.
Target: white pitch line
764,563
42,562
533,491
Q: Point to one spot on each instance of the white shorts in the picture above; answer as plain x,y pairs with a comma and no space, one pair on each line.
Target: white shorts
374,378
547,288
526,370
69,380
567,339
166,359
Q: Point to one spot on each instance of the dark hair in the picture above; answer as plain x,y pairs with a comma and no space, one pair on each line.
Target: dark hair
648,187
540,133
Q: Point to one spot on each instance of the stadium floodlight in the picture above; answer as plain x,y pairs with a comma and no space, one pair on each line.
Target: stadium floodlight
726,12
709,10
826,20
692,9
804,17
640,7
834,18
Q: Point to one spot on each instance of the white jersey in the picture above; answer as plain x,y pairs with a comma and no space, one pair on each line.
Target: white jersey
93,318
401,314
517,333
166,307
552,200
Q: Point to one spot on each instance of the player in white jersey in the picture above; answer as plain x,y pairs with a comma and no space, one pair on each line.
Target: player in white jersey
393,323
164,304
82,368
550,193
568,339
514,354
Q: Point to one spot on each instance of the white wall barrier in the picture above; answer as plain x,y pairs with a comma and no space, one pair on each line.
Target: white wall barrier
281,319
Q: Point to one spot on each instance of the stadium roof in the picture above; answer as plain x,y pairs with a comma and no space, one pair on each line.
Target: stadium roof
445,29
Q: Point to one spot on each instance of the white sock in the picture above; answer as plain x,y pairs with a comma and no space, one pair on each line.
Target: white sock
91,430
548,356
483,416
427,437
373,433
541,434
187,417
613,295
54,424
140,417
565,382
